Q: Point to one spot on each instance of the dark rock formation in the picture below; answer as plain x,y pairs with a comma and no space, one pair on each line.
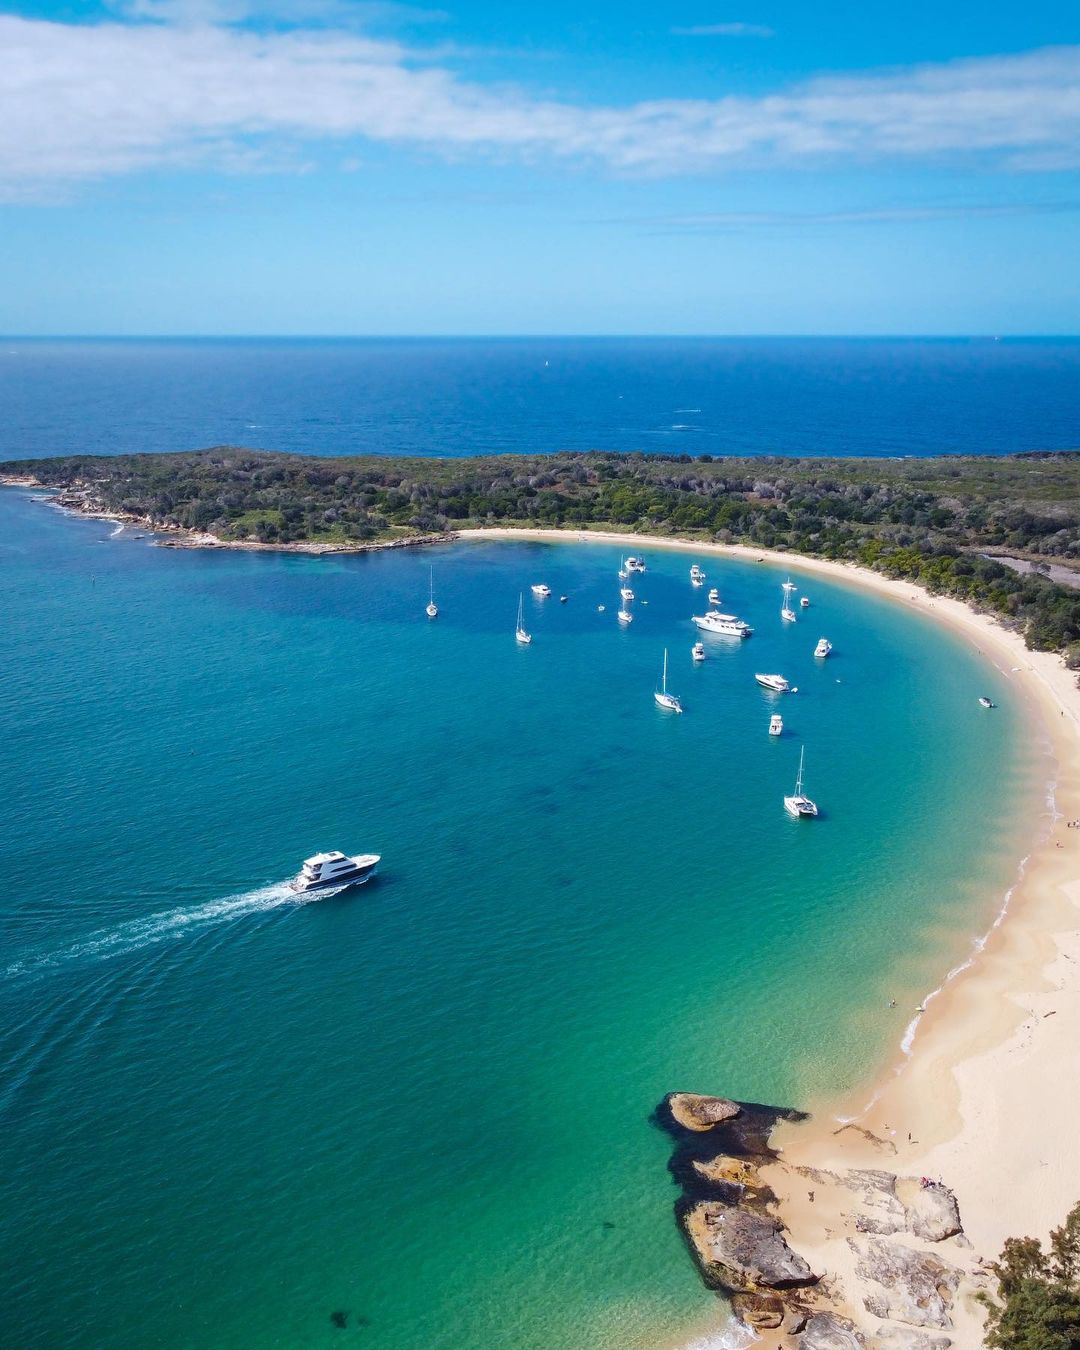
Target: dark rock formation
741,1251
695,1112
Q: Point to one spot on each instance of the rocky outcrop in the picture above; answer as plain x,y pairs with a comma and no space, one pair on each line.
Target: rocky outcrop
827,1331
695,1112
903,1338
930,1209
915,1287
741,1251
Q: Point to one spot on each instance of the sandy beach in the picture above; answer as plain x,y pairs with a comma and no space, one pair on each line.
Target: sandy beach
986,1090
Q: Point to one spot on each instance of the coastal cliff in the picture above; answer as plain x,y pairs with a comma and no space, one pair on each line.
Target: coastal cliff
819,1258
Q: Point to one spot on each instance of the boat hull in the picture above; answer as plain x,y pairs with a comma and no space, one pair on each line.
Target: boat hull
801,808
336,883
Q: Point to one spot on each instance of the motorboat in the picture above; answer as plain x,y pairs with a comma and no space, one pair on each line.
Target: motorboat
626,593
697,576
697,651
823,648
624,616
714,596
326,871
725,624
600,608
663,698
635,564
563,599
799,804
805,602
776,725
541,590
985,702
431,609
521,634
776,684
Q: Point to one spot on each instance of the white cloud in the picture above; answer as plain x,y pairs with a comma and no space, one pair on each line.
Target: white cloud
81,101
725,30
723,221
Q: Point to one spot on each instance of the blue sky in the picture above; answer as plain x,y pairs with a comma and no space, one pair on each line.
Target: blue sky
338,166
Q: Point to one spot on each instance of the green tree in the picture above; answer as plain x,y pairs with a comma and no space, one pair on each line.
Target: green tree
1039,1292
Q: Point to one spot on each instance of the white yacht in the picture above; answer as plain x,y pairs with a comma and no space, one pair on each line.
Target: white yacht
776,683
623,573
626,593
635,564
663,698
624,616
798,804
541,590
805,602
522,636
726,624
788,615
714,596
326,871
697,576
697,651
823,648
776,725
431,609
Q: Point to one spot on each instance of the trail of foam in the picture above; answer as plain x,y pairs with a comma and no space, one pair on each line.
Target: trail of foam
145,932
118,530
735,1336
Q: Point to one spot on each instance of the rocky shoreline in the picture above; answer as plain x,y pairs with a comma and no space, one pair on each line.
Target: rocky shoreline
885,1264
80,502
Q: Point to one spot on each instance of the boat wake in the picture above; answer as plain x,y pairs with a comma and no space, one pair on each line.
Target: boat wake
119,530
155,928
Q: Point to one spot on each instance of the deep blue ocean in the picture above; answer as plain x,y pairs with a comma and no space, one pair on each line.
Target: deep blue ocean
822,396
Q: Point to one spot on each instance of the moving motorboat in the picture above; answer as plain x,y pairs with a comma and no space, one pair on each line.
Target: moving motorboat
326,871
985,702
697,651
799,804
774,683
823,648
522,636
541,590
776,725
725,624
663,698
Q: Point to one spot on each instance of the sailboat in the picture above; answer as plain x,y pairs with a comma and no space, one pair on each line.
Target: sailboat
431,609
663,698
787,613
798,804
522,636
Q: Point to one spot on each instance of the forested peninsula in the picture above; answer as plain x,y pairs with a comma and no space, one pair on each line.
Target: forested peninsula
927,520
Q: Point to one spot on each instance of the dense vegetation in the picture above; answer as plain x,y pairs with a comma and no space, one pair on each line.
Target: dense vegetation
1038,1292
927,520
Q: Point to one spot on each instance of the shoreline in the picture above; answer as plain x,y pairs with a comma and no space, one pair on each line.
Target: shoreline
984,1088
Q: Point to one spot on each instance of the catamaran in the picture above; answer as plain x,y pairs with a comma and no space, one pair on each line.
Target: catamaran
522,636
823,648
663,698
775,683
798,804
727,625
334,871
431,609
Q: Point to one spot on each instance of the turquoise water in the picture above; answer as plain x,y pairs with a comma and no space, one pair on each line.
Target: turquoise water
425,1104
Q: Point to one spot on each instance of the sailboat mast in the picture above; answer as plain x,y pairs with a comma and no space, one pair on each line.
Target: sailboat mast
798,785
